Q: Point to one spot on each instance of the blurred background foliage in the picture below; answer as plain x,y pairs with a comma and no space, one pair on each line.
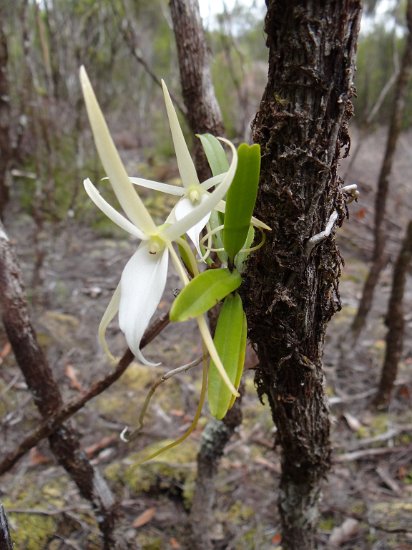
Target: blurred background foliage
125,45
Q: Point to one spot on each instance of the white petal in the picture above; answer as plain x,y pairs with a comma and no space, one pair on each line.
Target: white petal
215,180
185,164
127,196
184,207
110,212
158,186
182,226
141,287
108,316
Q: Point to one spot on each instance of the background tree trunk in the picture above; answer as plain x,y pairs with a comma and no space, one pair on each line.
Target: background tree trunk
396,322
203,115
64,442
398,109
291,291
203,112
5,145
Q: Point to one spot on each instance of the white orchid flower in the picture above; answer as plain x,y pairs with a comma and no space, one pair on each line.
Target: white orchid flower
192,192
144,277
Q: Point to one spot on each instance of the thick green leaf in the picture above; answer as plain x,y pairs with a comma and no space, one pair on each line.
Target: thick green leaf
215,154
203,292
241,198
230,342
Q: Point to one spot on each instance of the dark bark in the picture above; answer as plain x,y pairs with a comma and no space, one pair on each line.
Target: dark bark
64,442
203,112
5,145
5,538
289,291
398,109
396,322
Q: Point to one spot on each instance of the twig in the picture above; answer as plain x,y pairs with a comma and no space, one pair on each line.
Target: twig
357,455
128,435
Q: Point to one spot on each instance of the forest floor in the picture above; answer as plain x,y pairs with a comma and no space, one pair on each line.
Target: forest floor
367,497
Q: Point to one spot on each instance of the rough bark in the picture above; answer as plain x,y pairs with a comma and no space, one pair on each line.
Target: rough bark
5,145
64,442
203,112
290,291
396,322
395,126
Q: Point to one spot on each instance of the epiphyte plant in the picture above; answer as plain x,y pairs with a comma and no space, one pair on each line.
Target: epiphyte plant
229,233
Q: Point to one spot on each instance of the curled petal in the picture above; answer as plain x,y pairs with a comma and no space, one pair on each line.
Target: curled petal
211,182
184,207
199,211
158,186
185,164
110,212
141,287
112,163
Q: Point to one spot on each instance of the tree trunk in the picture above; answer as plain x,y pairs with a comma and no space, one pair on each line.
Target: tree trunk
398,109
396,323
5,145
203,112
64,442
290,289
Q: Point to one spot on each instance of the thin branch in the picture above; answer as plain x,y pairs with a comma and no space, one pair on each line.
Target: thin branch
358,455
50,424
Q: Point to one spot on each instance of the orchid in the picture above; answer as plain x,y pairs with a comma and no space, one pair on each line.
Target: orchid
144,277
192,192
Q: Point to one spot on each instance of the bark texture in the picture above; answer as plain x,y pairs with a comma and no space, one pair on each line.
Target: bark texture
64,442
396,322
203,112
398,109
291,292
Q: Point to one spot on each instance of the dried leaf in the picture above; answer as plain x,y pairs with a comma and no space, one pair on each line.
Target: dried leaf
37,458
354,424
144,518
71,374
105,442
6,349
277,538
361,213
344,532
174,544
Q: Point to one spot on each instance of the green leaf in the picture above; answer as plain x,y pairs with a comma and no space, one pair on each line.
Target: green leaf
215,154
203,292
230,342
241,198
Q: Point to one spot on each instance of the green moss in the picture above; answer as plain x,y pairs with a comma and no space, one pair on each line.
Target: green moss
31,531
170,472
238,513
377,426
327,524
147,542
